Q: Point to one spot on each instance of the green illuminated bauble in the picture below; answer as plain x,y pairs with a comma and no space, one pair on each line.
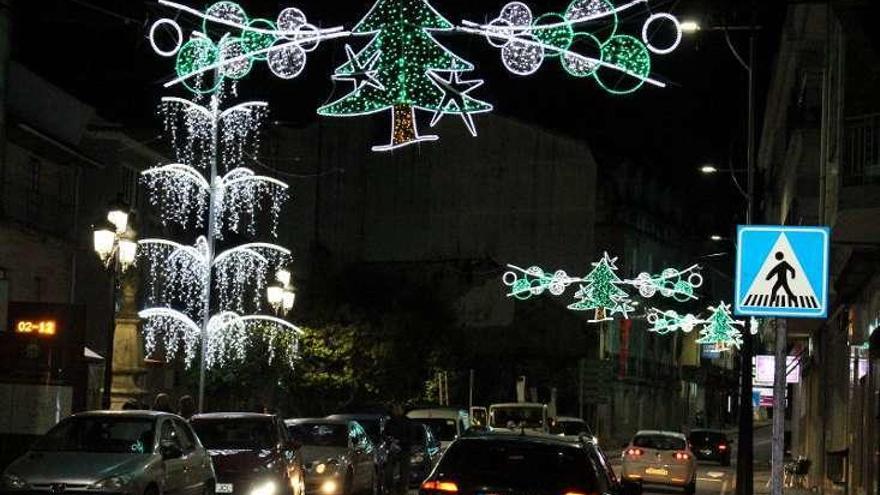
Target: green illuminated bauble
196,54
633,62
522,289
583,44
254,41
558,36
683,291
228,11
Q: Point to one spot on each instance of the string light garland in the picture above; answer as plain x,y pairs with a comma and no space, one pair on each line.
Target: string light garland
719,328
398,70
601,290
584,38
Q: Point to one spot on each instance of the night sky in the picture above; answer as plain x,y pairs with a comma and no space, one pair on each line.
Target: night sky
98,51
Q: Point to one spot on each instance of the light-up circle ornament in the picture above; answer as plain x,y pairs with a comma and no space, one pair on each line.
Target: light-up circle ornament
596,12
522,58
287,62
177,32
515,18
255,39
654,17
582,66
196,54
552,29
233,48
294,25
230,12
633,60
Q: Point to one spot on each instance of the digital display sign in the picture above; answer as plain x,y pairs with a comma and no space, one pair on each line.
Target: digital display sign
35,327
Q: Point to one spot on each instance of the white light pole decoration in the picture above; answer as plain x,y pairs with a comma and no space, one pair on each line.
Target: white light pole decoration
203,300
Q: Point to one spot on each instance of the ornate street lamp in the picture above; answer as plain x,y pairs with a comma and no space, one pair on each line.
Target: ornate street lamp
115,245
280,293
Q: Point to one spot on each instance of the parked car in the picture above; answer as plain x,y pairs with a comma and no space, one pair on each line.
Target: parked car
509,462
252,453
573,428
131,452
425,453
374,425
710,445
658,458
446,424
340,458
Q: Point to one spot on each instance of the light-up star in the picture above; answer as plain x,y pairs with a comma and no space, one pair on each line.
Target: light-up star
454,92
362,74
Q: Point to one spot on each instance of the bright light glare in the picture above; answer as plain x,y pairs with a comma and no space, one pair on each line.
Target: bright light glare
708,169
267,488
689,26
104,239
715,237
329,487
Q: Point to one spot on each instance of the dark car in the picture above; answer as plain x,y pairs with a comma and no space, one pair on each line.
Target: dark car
374,425
425,452
536,464
252,454
710,445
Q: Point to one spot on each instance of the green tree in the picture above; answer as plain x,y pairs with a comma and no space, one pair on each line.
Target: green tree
398,70
720,328
601,292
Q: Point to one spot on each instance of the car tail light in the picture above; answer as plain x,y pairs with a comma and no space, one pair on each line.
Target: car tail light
579,493
634,452
682,456
722,447
440,486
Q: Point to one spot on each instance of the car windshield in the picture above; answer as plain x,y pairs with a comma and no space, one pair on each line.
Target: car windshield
519,465
100,434
573,428
707,438
515,417
659,442
371,427
235,434
443,429
320,434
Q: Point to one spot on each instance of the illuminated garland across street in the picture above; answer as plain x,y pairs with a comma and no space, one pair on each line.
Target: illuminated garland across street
601,290
403,67
718,329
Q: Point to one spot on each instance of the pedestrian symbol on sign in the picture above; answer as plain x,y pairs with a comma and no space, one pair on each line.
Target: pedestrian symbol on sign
782,271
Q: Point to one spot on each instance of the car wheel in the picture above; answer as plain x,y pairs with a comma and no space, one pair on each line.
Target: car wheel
691,488
726,461
630,488
208,487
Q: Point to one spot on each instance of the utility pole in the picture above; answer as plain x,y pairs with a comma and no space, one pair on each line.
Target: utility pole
779,386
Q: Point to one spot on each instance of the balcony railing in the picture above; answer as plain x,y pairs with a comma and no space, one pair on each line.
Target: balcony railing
861,150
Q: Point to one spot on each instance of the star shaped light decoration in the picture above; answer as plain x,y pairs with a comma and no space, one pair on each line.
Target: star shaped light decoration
362,74
455,92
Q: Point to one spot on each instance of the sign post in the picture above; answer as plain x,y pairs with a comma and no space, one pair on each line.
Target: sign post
781,272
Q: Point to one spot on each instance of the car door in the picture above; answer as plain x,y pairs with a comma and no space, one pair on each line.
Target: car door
173,464
194,464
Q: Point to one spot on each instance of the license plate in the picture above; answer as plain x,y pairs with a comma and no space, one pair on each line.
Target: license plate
223,488
657,471
707,451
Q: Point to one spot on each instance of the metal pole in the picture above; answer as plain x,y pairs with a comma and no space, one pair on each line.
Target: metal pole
745,453
111,336
581,388
471,391
209,256
778,446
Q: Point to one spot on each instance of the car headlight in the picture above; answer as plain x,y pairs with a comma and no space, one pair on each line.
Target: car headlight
265,488
417,458
325,467
12,481
329,487
111,483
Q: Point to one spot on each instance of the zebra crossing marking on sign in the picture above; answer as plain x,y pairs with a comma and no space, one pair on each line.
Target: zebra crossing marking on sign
782,271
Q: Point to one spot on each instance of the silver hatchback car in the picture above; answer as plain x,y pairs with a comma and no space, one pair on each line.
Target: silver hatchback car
119,452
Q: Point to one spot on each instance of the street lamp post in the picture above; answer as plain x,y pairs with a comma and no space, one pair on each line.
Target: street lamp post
280,294
115,245
745,452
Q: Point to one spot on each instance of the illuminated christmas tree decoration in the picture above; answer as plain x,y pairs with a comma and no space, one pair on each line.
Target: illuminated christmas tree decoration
525,43
404,55
601,290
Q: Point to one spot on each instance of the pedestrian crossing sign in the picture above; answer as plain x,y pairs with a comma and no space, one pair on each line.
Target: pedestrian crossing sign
782,271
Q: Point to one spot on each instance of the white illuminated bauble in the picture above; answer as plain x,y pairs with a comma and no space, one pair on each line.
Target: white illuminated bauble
287,62
522,58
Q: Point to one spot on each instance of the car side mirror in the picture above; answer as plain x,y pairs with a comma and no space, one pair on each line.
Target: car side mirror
170,451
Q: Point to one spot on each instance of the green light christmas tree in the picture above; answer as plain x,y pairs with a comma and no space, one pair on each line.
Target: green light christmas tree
720,328
402,69
602,293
